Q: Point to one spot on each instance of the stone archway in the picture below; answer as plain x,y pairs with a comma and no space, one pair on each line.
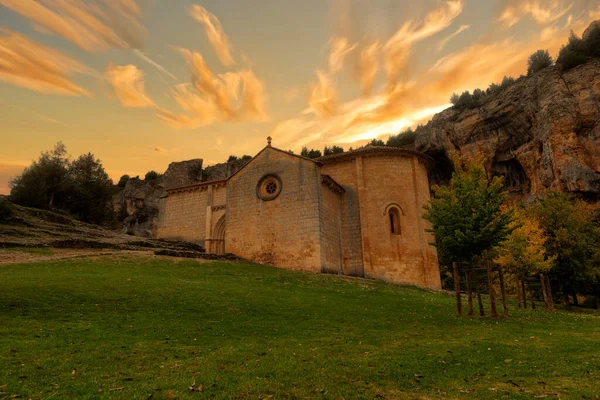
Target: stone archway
217,245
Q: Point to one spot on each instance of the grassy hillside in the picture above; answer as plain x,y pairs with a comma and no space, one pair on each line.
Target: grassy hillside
118,327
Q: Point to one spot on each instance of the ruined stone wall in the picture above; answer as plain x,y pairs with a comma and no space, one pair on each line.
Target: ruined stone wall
401,258
285,231
182,216
344,173
331,235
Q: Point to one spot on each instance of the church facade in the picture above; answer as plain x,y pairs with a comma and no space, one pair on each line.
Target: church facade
356,213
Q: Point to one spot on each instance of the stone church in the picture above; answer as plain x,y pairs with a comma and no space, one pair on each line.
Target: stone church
356,213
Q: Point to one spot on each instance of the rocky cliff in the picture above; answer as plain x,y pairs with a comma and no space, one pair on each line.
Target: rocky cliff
541,133
136,205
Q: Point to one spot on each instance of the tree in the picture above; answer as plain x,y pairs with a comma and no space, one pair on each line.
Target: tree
89,191
152,176
312,153
523,252
573,54
232,158
538,61
123,181
327,151
42,184
454,99
467,217
574,240
376,142
404,139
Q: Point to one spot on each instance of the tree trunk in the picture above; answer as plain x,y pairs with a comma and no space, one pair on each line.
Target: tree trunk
566,297
575,301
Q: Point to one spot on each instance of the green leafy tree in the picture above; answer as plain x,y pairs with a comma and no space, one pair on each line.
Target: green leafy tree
123,181
42,184
404,139
574,240
89,192
538,61
467,217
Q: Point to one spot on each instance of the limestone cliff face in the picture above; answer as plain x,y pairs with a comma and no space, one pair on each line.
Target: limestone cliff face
137,203
541,133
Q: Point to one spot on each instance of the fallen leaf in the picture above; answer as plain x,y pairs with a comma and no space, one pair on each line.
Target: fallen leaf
115,389
171,395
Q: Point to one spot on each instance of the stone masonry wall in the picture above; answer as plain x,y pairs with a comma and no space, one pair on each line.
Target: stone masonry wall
344,173
331,235
389,180
183,216
283,232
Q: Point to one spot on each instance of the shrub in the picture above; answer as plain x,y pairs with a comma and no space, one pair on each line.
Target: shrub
404,139
573,54
6,211
123,181
538,61
152,176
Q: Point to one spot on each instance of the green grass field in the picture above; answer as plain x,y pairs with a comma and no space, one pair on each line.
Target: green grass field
139,328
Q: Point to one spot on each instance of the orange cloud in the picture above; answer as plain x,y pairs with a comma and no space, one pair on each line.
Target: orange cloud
91,26
407,101
128,84
448,38
542,11
215,33
323,98
339,50
31,65
214,98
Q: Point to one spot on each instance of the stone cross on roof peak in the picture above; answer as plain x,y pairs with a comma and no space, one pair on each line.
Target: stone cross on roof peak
269,141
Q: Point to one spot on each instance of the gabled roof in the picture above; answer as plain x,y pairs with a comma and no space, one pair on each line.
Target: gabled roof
276,149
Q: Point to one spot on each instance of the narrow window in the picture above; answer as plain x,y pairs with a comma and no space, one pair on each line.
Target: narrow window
394,221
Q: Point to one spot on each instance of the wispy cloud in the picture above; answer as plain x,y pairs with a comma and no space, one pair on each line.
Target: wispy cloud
215,33
323,97
448,38
28,64
127,82
156,65
542,11
90,25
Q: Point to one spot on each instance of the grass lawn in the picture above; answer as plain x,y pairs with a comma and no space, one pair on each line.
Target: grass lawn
139,328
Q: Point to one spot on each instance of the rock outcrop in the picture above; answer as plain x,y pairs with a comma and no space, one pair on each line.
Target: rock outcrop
136,205
541,133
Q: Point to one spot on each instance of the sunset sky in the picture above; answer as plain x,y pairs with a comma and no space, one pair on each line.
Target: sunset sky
142,83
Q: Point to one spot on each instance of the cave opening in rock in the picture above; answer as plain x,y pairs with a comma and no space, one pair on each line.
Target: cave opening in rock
442,171
515,178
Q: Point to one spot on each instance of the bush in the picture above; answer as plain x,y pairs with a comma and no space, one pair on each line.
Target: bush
123,181
152,176
538,61
592,42
404,139
6,211
573,54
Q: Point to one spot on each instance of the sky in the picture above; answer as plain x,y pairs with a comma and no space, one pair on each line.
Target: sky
142,83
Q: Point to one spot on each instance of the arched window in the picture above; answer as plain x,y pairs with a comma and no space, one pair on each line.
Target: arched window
394,216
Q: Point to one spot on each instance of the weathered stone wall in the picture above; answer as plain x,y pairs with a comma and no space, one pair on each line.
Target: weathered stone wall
182,215
400,258
331,234
285,231
344,173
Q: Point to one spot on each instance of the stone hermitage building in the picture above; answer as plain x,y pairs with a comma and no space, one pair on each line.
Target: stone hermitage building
355,213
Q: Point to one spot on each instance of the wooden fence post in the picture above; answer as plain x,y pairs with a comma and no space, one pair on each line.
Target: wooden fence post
503,291
457,288
549,289
479,301
469,292
491,289
544,292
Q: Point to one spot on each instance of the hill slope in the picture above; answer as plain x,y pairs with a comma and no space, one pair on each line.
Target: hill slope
129,328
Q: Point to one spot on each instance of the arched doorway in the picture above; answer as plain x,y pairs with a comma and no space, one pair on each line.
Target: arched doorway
218,237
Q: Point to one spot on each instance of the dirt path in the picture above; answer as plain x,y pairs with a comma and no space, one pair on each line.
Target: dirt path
18,256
